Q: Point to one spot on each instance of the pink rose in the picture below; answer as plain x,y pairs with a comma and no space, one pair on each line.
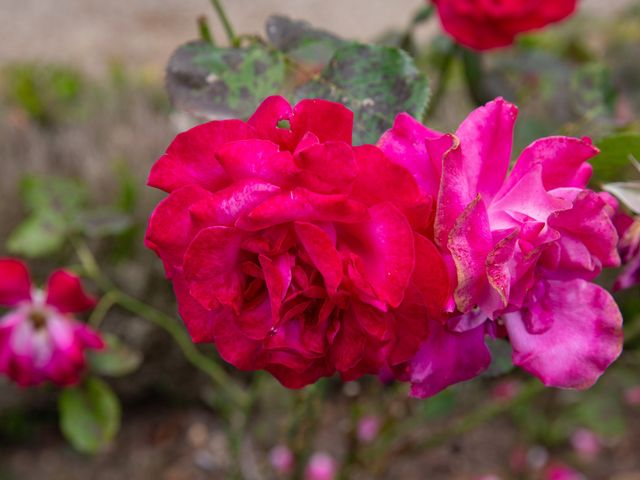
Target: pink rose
487,24
39,339
524,246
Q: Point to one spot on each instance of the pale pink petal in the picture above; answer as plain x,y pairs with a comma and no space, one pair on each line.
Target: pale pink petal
583,340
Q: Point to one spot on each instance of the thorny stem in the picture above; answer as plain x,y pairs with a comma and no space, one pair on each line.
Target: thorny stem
216,373
222,15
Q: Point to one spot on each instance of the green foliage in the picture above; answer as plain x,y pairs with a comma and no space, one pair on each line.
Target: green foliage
117,360
615,153
214,82
374,81
53,204
44,92
89,415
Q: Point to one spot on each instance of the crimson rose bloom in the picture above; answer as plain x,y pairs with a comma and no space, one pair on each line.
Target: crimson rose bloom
487,24
294,251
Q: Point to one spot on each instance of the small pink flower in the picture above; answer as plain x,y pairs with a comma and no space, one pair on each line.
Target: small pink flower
505,390
39,339
586,443
281,459
321,466
562,472
632,396
368,428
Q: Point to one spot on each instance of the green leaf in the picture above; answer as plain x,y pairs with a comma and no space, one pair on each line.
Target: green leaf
116,360
302,42
628,193
501,362
39,235
440,405
614,159
53,193
374,81
89,415
213,82
104,222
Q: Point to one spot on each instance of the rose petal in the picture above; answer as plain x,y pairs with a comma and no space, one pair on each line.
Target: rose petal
190,159
327,167
323,253
446,358
65,292
15,283
584,339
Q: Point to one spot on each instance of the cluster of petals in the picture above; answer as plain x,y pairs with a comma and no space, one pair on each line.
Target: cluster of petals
292,250
297,253
39,338
488,24
524,247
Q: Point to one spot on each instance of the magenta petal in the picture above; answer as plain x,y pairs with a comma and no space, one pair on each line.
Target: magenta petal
563,161
323,253
257,159
385,245
226,206
584,339
327,167
212,270
198,320
266,117
329,121
486,137
406,145
302,204
171,228
15,283
470,242
191,159
65,292
446,358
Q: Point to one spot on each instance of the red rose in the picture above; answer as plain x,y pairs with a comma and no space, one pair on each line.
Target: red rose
487,24
293,251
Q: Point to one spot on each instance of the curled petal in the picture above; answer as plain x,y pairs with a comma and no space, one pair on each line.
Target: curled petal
584,339
171,227
329,121
327,167
211,268
15,283
322,251
446,358
302,204
65,293
191,158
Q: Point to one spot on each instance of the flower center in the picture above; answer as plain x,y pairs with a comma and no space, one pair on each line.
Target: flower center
38,319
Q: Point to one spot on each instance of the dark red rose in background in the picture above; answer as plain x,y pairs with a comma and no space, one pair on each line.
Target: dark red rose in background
293,251
487,24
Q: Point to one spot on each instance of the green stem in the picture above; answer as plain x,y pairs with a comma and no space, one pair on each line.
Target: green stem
215,372
386,450
204,30
474,75
104,305
444,71
222,15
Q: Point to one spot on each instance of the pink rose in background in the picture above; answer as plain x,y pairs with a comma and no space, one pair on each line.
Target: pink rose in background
524,247
282,460
294,251
321,466
586,443
39,339
368,428
487,24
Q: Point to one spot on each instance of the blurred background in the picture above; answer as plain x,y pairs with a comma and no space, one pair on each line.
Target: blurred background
82,97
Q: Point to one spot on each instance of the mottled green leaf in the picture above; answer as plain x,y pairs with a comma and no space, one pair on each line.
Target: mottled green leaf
117,360
374,81
615,156
302,42
213,82
62,195
39,235
89,415
104,222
